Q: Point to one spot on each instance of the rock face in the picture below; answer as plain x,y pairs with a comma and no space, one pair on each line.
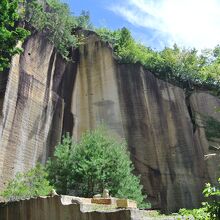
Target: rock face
164,129
32,114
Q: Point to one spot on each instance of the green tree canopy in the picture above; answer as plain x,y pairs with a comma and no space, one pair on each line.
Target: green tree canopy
184,67
92,164
10,32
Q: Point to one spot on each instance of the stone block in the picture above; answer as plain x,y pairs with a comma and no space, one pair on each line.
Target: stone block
102,201
126,203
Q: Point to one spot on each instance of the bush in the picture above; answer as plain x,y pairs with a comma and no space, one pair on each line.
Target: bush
198,214
210,209
92,164
30,184
212,193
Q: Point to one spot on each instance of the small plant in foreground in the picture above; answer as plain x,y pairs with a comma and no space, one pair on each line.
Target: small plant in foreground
198,214
30,184
212,193
211,208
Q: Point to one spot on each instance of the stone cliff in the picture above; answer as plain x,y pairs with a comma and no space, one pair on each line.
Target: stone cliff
45,96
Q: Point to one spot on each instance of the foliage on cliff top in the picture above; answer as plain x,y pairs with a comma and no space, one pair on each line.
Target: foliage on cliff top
10,33
26,185
185,67
94,163
55,19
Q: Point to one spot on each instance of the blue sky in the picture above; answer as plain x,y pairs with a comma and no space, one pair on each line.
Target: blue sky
158,23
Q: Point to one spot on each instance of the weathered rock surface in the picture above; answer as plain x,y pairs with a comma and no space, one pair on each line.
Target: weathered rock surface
205,106
47,96
32,114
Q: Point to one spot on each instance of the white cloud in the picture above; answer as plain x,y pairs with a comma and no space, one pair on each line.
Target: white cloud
189,23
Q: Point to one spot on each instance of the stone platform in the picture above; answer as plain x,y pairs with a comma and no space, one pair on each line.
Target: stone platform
72,208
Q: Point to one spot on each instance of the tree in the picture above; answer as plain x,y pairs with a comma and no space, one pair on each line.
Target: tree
83,20
10,33
92,164
55,19
29,184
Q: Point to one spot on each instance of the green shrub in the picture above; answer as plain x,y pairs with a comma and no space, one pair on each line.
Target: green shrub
198,214
30,184
92,164
212,193
10,33
210,209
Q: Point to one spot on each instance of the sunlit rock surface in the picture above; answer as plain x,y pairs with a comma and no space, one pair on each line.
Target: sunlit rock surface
47,96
